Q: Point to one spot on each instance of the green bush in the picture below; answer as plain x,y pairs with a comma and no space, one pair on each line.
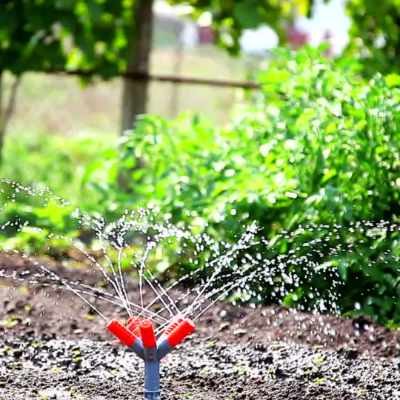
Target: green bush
57,163
319,145
314,157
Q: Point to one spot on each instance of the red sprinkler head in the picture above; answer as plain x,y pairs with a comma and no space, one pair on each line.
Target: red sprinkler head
174,323
146,329
121,332
184,329
133,325
148,349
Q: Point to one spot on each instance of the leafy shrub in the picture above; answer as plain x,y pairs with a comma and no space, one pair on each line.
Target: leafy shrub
316,154
319,145
54,162
57,162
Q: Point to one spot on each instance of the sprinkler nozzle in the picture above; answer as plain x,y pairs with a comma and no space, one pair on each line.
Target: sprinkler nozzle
174,323
146,329
180,332
148,349
133,325
121,332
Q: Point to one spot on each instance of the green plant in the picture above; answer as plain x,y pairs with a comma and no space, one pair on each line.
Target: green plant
320,145
53,162
60,163
317,148
375,34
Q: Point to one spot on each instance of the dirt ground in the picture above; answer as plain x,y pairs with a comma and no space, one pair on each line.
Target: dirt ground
51,348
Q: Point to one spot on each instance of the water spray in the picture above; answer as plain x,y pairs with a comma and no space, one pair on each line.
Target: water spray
138,334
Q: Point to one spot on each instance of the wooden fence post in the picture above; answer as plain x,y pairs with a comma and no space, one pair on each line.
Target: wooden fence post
135,92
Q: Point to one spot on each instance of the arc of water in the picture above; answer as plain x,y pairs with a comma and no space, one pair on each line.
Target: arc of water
123,227
230,286
111,265
149,313
68,286
314,226
142,276
141,269
122,278
210,294
73,290
225,258
97,264
230,253
163,292
158,296
210,280
150,317
191,310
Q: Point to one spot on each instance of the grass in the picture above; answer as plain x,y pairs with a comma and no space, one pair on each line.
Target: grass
59,105
40,159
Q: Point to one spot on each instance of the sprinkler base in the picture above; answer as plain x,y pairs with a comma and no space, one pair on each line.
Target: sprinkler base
152,380
148,349
151,395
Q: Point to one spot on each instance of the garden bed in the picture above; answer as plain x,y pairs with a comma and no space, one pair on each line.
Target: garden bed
50,348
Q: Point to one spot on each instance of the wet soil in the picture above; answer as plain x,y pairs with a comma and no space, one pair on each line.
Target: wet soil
52,347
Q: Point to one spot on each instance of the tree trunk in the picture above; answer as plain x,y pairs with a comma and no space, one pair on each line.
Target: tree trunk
1,92
177,68
135,92
6,109
1,115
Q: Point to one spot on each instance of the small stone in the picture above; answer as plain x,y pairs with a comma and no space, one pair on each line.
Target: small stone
351,354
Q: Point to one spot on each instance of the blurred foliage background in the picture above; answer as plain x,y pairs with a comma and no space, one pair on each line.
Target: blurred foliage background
317,144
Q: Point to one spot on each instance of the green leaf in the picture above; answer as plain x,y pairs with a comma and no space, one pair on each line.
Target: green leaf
393,80
247,13
90,170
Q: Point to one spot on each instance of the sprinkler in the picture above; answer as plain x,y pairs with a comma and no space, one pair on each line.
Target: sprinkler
139,336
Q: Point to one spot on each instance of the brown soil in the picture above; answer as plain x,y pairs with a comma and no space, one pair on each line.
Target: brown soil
51,348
